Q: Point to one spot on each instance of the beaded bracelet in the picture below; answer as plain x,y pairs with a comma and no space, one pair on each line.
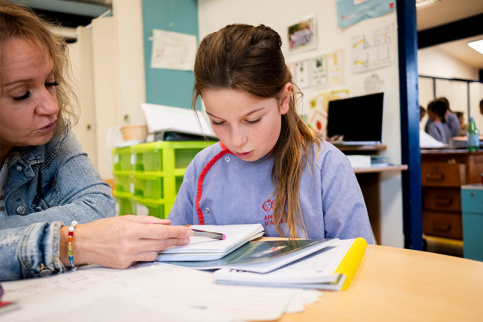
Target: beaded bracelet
70,250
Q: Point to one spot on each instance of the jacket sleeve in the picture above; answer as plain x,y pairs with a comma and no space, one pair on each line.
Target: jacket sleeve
30,252
77,193
345,212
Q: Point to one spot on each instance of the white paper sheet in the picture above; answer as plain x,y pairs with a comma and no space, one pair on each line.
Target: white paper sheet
197,289
179,293
173,50
167,118
110,303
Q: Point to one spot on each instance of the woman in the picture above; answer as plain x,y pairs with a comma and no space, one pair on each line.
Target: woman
269,167
46,179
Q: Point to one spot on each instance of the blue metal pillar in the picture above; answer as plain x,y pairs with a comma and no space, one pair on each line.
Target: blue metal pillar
409,102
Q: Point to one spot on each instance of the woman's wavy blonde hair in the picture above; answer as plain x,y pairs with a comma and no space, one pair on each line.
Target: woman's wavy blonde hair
249,58
19,21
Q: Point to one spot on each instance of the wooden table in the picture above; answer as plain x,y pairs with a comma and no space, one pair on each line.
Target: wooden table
391,284
394,284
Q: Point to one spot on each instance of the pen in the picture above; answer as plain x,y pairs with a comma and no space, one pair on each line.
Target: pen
210,234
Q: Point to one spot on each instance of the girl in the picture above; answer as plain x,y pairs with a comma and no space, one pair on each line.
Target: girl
269,168
438,127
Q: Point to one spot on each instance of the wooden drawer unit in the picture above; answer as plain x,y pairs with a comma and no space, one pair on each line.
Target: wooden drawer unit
442,199
442,224
443,174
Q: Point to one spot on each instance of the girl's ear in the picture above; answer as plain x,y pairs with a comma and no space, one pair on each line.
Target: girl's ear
285,100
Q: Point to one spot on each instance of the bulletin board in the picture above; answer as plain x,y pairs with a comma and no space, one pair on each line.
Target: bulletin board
168,86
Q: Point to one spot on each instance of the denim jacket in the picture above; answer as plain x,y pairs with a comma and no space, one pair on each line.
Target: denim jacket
47,186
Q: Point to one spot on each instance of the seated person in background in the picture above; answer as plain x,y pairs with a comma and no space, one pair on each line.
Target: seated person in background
450,118
438,128
46,179
463,124
269,168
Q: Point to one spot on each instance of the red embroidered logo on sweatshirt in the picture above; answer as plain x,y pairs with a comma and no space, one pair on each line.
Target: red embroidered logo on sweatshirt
267,205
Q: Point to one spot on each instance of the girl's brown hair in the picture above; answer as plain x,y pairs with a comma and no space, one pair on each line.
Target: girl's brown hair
19,21
249,58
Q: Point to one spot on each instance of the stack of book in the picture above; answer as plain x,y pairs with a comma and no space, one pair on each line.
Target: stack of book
238,259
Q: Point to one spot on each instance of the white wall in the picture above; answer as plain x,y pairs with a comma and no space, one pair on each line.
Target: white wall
435,62
214,14
108,61
81,59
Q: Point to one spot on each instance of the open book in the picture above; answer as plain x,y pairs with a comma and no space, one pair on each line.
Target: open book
203,248
331,268
263,256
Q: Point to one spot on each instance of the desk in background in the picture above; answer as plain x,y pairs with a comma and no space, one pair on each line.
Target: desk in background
369,181
394,284
443,172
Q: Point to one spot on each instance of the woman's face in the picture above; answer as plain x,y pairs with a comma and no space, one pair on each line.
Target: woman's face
248,126
28,101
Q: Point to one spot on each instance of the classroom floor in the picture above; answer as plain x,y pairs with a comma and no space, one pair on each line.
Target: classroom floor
444,246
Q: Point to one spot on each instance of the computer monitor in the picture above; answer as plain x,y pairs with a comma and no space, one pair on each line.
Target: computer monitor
359,119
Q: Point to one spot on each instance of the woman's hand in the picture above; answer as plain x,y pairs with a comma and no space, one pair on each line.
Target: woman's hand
119,242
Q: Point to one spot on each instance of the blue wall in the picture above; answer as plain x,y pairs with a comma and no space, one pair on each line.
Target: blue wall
166,86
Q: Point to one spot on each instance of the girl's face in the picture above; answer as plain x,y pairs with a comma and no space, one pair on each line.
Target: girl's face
28,101
248,125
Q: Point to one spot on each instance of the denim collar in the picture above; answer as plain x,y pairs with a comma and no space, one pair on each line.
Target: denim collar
33,155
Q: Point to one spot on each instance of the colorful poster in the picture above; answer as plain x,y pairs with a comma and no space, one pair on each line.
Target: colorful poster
350,12
372,49
302,35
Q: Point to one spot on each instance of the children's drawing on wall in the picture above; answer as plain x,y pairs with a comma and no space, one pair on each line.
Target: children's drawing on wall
318,119
372,49
350,12
373,84
326,69
318,110
173,50
318,71
301,75
335,66
302,35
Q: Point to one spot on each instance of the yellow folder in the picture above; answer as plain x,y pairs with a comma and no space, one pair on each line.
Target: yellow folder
348,265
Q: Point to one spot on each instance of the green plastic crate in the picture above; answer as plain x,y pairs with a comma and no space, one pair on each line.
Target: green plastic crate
155,185
121,159
122,181
166,156
123,203
148,175
149,207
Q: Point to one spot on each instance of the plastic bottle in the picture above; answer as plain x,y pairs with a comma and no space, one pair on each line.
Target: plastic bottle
473,136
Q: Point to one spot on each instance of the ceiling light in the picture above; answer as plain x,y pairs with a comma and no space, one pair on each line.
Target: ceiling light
477,45
421,4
